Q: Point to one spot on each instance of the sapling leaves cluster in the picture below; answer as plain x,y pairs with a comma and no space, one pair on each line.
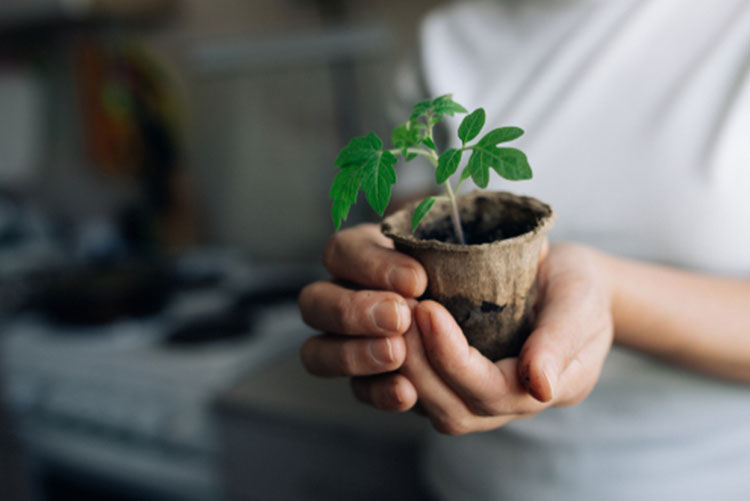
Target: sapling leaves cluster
365,164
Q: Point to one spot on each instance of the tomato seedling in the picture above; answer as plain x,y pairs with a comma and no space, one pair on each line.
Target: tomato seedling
365,164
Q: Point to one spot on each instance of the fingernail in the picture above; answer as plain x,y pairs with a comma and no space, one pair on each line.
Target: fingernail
424,319
549,374
390,316
403,279
381,352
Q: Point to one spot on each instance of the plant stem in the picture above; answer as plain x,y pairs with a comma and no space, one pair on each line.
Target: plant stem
456,218
416,151
433,157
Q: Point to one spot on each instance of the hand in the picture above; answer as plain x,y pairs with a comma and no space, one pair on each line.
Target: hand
461,391
363,328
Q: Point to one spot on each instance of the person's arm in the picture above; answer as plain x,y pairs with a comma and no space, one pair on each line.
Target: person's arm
583,295
698,321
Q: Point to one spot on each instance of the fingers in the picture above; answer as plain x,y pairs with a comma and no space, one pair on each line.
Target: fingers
366,257
329,307
445,409
332,356
487,388
574,313
388,392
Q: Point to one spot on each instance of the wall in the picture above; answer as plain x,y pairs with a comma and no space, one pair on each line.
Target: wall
264,136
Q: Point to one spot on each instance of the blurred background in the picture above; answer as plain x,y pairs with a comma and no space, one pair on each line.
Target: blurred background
164,170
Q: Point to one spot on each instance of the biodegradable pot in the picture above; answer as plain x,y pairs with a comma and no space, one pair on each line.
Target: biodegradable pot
488,285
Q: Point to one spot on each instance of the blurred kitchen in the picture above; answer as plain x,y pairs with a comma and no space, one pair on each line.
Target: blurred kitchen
164,168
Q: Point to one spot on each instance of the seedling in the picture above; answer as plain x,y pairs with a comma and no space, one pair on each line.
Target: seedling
365,164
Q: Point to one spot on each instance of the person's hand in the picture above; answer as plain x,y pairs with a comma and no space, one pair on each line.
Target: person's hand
363,322
461,391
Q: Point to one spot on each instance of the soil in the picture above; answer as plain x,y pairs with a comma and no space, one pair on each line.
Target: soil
478,230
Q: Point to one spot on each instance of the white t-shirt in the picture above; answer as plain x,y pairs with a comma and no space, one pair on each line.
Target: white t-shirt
638,130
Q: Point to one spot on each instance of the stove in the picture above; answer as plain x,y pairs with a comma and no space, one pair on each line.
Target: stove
129,401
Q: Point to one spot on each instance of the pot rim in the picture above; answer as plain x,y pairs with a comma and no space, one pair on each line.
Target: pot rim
544,224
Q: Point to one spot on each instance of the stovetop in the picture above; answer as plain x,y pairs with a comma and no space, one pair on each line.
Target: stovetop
144,386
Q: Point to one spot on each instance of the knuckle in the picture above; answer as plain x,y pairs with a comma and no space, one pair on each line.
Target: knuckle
348,359
356,309
342,310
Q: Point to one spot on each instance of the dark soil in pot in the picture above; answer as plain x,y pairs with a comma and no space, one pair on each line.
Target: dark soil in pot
488,285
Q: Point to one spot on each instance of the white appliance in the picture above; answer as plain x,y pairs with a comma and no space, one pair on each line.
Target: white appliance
119,404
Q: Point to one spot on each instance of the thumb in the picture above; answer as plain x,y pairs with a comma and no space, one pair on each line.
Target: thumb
552,346
540,365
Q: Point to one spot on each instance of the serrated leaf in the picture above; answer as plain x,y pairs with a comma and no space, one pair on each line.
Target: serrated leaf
359,150
512,164
344,192
421,211
429,143
501,135
377,177
405,136
445,105
471,125
363,165
447,165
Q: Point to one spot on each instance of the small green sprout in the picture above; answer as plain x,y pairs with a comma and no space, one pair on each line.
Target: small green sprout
365,164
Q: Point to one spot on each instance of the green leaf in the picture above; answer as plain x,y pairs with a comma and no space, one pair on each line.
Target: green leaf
377,177
344,192
364,165
411,156
479,167
358,151
447,165
429,143
404,136
445,105
420,109
512,164
421,211
501,135
471,125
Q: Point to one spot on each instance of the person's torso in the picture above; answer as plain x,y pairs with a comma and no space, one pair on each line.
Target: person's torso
637,119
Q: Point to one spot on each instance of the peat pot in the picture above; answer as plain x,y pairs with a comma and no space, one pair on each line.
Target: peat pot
489,284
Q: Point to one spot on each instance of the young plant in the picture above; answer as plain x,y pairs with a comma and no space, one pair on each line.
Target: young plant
365,164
